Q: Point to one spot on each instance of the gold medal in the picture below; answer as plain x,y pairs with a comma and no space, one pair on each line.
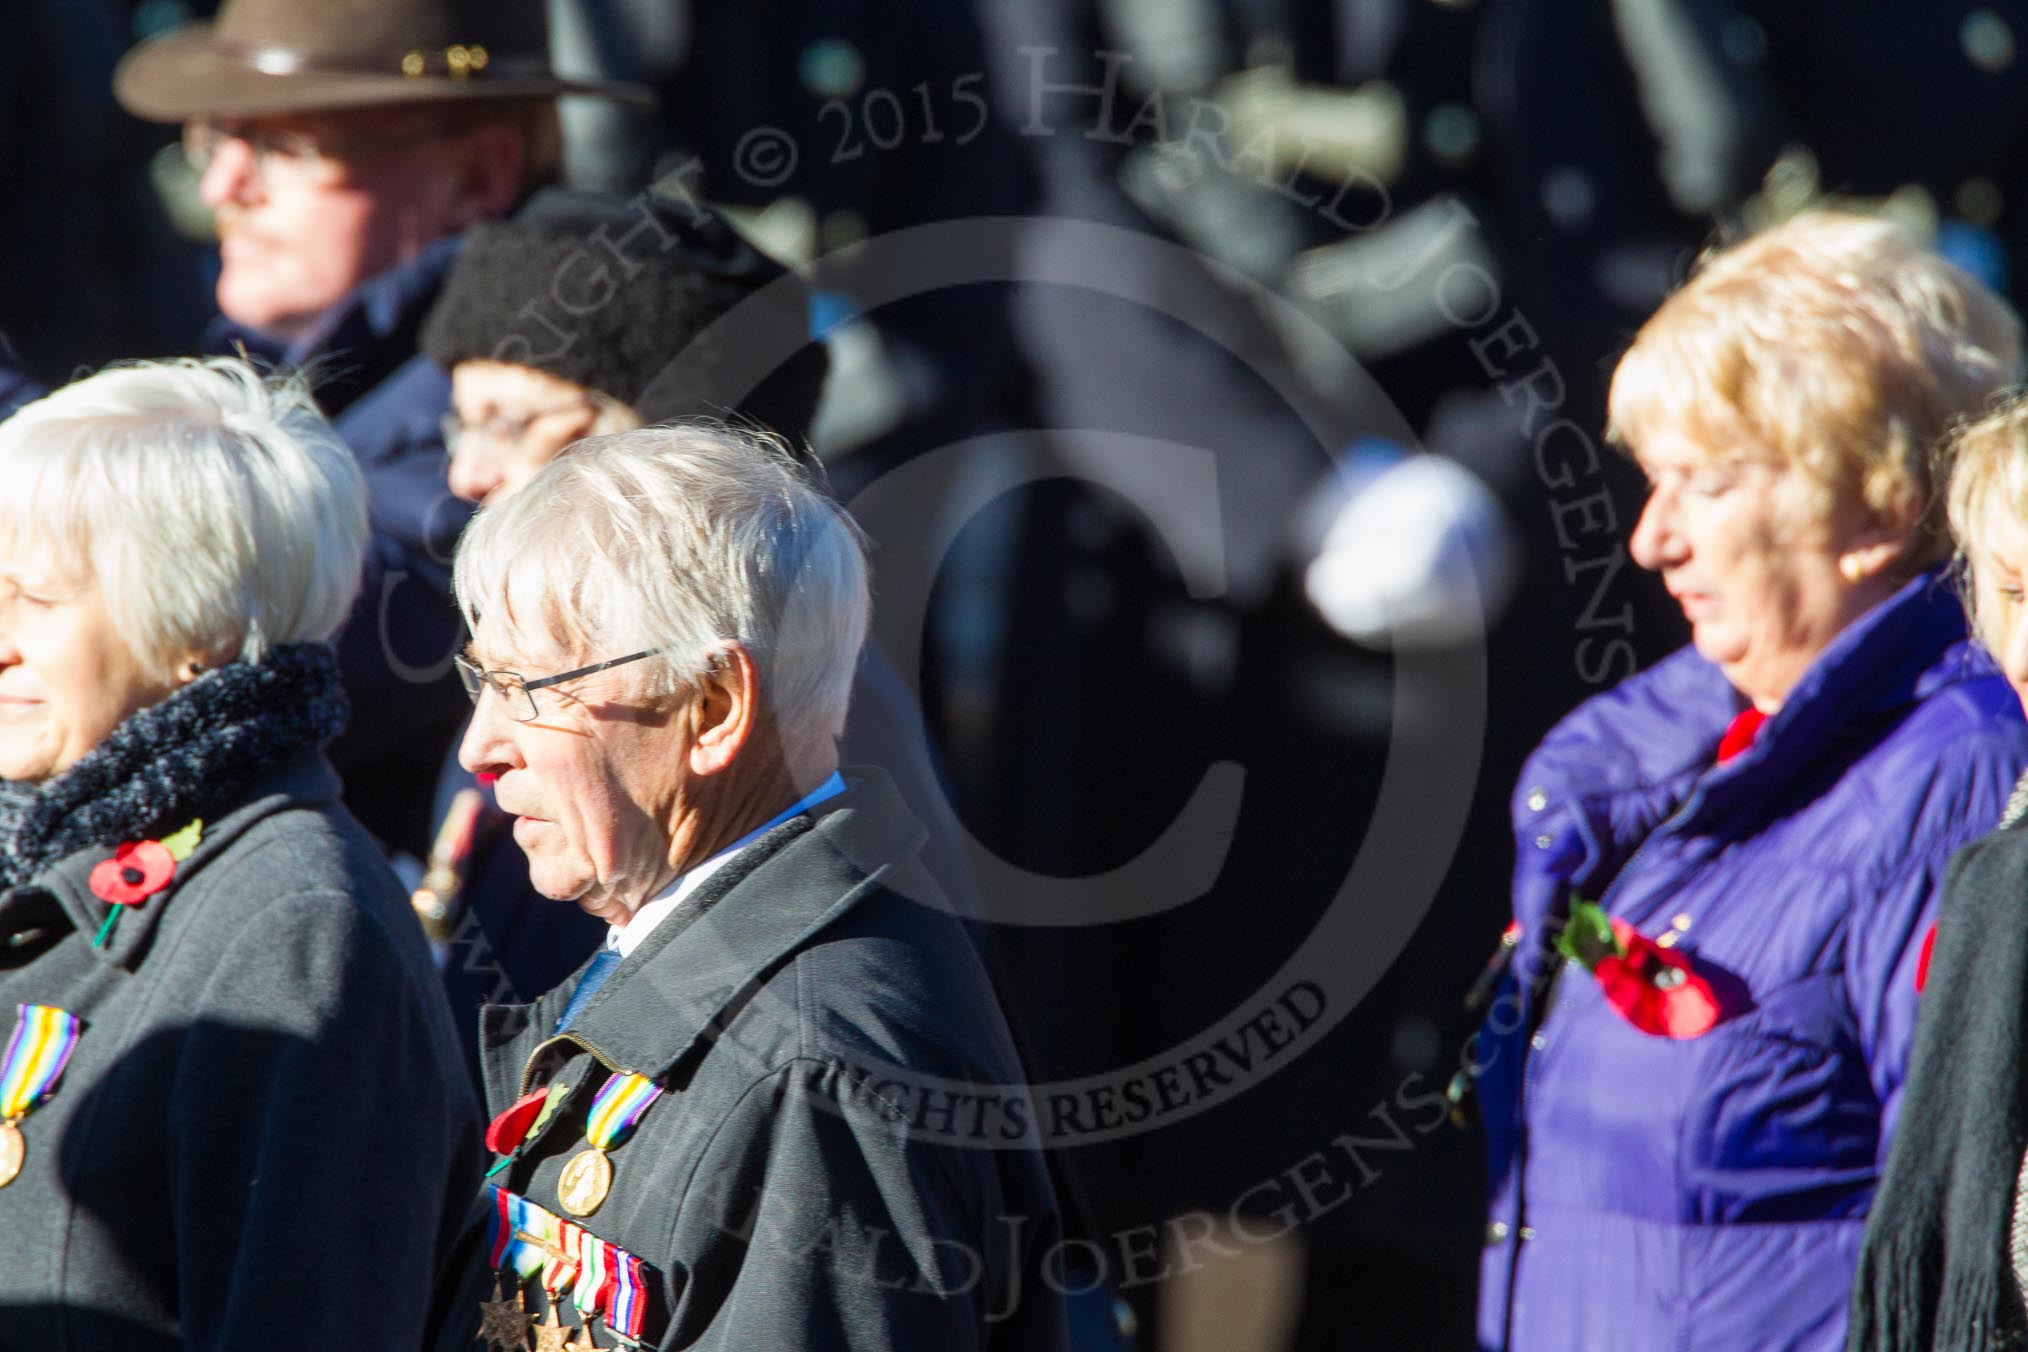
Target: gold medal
13,1149
586,1181
614,1113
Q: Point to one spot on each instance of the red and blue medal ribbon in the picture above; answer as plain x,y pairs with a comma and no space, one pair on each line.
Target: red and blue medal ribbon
618,1108
500,1231
36,1056
514,1223
629,1305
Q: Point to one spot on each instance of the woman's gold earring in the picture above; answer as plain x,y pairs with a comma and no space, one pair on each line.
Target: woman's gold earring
1853,570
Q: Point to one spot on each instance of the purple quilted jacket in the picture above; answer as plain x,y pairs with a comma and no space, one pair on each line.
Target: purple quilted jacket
1709,1193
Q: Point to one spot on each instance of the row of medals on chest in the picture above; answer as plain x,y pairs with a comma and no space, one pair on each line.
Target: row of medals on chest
586,1182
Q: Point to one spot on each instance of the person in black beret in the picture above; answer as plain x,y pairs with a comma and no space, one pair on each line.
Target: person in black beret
588,314
582,315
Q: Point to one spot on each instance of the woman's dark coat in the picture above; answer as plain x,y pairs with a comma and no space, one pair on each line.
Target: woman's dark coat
265,1126
1936,1268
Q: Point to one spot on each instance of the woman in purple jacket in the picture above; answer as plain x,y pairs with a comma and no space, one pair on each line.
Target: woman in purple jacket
1727,863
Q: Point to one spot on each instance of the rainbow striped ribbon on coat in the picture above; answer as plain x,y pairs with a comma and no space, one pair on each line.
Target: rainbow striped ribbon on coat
606,1281
617,1110
36,1056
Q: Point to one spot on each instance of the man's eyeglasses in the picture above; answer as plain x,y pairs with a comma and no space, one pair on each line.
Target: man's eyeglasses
501,430
517,694
299,154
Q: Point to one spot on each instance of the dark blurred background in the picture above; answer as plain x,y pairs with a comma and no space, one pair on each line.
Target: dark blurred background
1349,231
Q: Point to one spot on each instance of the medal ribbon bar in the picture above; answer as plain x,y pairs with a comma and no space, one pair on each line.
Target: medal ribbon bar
618,1108
604,1280
36,1056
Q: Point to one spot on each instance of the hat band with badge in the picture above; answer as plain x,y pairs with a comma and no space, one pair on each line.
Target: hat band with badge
458,61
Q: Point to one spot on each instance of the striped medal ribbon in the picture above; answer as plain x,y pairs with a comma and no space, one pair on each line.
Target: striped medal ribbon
618,1109
36,1056
628,1305
504,1323
561,1254
611,1285
594,1276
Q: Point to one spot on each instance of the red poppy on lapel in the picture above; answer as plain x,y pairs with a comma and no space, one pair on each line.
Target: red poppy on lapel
137,871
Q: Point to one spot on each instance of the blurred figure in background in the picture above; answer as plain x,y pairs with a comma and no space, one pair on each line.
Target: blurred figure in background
1945,1263
1727,862
344,151
95,269
16,388
216,1003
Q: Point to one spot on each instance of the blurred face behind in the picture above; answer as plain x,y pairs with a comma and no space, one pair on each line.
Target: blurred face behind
594,782
512,421
1999,561
1766,586
308,207
67,678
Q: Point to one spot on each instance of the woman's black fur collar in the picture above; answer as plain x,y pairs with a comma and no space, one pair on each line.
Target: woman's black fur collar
195,754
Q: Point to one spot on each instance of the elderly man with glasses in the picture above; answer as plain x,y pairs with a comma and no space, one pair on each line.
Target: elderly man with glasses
780,1107
344,151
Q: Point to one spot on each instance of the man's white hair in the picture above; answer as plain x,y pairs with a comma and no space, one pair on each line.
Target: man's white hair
216,510
684,537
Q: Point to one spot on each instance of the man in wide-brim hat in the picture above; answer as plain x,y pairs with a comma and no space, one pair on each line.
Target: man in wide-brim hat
369,99
345,146
263,57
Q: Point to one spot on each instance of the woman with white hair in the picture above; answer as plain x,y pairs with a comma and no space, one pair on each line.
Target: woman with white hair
781,1100
231,1113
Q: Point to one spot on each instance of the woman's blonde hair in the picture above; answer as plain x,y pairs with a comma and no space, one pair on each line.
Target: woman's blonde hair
1987,460
1834,341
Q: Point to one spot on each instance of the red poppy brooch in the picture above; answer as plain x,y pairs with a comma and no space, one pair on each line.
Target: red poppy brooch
138,870
1655,988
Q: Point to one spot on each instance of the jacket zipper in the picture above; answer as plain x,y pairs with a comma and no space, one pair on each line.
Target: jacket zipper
1529,1059
528,1066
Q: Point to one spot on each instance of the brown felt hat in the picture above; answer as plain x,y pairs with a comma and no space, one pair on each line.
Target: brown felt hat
263,57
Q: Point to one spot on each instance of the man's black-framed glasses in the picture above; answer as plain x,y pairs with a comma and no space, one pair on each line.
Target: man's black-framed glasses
517,693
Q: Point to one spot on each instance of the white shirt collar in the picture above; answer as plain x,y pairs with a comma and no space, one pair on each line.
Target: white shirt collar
624,940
